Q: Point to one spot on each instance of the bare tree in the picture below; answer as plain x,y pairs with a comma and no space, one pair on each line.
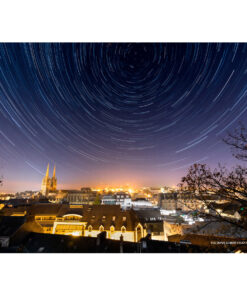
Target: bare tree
237,140
230,186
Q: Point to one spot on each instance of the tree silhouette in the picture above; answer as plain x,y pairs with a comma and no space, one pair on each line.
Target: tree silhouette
228,185
237,140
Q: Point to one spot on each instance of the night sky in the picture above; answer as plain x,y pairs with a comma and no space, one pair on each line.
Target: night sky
116,114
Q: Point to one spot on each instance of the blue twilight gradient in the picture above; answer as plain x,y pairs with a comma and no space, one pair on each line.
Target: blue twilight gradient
117,113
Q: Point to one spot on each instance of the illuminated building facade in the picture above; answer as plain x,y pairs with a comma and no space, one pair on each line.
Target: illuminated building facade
76,197
46,183
120,198
141,203
88,220
49,184
53,186
186,202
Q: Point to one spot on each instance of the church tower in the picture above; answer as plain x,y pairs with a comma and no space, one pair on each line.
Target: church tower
45,187
53,186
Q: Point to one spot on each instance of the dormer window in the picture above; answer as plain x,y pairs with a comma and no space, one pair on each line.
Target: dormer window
90,228
101,228
123,229
112,229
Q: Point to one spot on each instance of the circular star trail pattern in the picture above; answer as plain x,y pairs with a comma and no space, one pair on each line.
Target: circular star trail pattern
151,106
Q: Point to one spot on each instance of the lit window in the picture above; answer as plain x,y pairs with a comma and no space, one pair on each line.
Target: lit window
112,229
123,229
113,218
124,219
90,228
101,229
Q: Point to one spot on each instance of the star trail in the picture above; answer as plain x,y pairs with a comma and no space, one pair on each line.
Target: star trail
116,113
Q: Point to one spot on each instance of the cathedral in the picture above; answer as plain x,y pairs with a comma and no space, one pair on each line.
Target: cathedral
49,184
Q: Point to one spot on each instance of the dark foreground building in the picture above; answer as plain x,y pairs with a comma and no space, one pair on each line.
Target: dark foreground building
31,242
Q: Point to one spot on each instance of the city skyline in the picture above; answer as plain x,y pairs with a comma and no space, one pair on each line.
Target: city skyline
116,114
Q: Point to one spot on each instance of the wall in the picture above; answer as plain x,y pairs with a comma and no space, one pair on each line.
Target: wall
127,236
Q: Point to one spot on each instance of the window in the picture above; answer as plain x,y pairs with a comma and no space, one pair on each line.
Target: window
124,219
112,228
101,228
113,218
123,229
90,228
139,233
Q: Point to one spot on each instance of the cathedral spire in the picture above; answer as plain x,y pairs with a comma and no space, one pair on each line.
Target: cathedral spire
47,171
53,185
45,187
54,171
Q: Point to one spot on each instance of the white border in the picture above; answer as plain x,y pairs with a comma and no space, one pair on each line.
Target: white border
123,20
133,21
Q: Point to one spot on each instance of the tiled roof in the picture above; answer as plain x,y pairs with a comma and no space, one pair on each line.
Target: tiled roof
9,225
94,215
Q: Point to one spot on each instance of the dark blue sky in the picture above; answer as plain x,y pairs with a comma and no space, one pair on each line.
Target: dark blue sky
111,114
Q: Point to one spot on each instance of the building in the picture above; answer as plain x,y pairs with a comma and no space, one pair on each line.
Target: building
52,243
45,215
85,220
9,226
152,221
45,187
53,185
76,197
232,210
174,201
108,199
14,229
48,243
5,196
217,228
141,203
123,199
120,198
49,184
151,190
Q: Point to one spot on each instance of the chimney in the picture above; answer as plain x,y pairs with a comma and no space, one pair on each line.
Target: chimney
121,243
